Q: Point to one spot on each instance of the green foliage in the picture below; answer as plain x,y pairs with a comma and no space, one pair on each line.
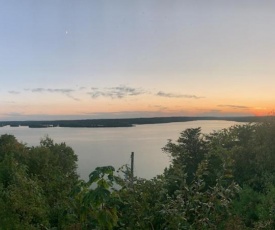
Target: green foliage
93,203
35,183
255,209
252,151
223,180
196,205
141,202
22,198
185,155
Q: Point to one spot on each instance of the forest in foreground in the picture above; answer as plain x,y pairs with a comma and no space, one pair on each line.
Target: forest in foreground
222,180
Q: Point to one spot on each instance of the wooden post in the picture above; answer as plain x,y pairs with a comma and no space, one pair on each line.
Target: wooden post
132,164
132,167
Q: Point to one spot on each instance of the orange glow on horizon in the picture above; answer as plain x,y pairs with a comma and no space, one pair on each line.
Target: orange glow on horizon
144,106
263,112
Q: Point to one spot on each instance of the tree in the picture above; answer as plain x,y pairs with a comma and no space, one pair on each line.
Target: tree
94,203
185,156
23,204
54,165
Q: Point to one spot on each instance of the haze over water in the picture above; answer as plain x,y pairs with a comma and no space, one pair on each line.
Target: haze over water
113,146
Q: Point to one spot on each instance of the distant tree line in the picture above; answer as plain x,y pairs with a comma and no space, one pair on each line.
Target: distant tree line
124,122
222,180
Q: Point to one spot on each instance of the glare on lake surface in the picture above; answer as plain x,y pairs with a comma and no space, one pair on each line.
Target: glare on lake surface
113,146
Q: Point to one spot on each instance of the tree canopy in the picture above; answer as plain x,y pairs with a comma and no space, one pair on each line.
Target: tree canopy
222,180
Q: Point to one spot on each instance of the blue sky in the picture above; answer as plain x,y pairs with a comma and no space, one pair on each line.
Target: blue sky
87,59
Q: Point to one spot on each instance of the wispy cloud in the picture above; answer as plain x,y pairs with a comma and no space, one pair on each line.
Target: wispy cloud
135,114
49,90
158,107
72,97
8,102
221,113
235,106
116,92
82,88
174,95
14,92
66,91
13,114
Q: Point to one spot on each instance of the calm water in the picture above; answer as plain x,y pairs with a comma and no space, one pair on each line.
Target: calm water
113,146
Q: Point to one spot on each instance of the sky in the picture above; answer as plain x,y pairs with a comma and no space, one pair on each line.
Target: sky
79,59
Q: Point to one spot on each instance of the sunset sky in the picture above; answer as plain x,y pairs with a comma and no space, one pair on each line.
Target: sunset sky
70,59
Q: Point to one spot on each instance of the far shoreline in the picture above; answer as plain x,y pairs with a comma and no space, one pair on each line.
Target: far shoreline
122,122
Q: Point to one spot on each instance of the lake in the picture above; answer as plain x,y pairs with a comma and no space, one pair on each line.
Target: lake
113,146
